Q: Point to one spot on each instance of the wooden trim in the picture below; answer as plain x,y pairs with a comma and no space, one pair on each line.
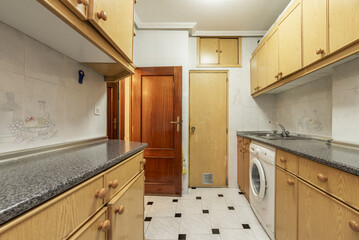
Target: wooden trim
121,113
336,56
113,110
112,71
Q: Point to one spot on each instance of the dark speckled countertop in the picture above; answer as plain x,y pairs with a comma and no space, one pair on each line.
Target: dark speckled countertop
30,181
339,157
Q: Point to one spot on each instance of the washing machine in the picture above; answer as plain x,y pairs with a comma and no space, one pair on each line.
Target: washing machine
262,185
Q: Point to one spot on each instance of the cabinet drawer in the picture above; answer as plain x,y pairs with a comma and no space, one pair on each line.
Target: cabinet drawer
118,176
126,211
92,229
340,184
59,217
79,7
287,161
322,217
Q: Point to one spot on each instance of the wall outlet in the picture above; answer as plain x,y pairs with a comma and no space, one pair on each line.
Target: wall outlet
97,111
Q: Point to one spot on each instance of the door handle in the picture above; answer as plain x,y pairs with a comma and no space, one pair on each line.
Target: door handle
178,122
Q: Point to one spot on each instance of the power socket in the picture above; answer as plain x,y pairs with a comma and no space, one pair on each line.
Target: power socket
97,111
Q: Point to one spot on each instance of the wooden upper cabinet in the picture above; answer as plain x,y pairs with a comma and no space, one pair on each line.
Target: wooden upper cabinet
114,19
79,7
314,30
254,74
219,52
290,43
286,205
343,23
272,58
262,68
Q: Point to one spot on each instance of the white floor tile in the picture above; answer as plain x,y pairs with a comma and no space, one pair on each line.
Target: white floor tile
246,215
259,232
214,204
189,206
203,237
195,224
163,208
163,228
225,219
237,234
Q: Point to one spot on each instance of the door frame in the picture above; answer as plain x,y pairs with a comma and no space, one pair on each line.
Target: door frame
112,109
189,118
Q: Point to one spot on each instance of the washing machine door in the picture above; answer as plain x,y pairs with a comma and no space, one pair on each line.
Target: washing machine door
257,179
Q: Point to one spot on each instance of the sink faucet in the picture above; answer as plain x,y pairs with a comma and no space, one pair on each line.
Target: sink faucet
284,133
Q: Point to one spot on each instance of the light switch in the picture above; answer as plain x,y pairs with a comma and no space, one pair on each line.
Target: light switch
97,111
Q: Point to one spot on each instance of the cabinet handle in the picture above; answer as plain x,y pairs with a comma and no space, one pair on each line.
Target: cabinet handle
322,177
319,51
283,160
105,226
354,225
113,184
120,210
290,182
217,50
220,51
100,193
102,15
276,76
134,33
84,2
143,162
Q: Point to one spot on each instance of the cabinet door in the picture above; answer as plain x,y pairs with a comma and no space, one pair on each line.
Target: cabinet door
262,67
240,164
114,20
290,50
228,51
272,58
209,51
314,30
254,74
79,7
246,171
286,205
322,217
343,23
126,211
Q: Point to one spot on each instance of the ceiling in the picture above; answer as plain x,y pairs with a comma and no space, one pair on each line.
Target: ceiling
205,16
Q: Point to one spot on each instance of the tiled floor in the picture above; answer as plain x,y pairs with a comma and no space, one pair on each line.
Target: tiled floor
202,214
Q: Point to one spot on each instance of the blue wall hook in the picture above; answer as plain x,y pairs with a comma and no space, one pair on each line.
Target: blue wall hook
81,76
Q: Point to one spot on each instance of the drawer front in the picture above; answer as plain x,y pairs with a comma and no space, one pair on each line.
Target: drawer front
340,184
95,229
118,176
126,211
322,217
287,161
57,218
80,9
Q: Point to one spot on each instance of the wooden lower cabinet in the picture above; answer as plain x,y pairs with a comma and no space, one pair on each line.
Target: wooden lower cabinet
286,205
243,165
322,217
126,212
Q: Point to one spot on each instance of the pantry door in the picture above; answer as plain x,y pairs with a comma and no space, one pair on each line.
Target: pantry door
156,116
208,128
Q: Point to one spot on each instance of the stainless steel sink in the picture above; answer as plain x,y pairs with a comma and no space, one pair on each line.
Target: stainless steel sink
274,136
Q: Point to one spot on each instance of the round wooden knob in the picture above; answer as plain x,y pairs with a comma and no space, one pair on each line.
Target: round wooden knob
319,51
217,50
283,160
290,182
113,184
120,210
276,76
143,161
354,225
84,2
322,177
102,15
100,193
104,226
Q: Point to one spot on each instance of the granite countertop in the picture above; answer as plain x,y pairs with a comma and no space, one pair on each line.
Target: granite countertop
336,156
30,181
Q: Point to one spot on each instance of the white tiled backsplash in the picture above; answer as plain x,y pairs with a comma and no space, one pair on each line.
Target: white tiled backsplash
41,101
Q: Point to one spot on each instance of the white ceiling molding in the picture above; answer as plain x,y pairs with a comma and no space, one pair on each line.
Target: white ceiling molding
191,27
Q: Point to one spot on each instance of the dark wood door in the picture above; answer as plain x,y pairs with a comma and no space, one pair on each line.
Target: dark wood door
112,110
156,116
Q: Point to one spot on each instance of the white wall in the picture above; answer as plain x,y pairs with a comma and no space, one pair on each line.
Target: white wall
43,85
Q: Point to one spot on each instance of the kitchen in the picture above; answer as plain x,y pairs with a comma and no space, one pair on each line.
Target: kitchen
62,178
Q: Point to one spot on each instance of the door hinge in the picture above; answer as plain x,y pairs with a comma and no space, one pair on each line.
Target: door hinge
227,79
227,130
227,181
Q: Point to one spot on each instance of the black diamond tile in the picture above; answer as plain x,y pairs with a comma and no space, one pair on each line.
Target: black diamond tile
205,211
175,200
240,193
198,198
215,231
149,203
246,226
178,215
148,219
193,187
220,195
231,208
181,236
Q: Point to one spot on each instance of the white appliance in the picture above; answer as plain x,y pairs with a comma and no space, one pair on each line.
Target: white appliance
262,185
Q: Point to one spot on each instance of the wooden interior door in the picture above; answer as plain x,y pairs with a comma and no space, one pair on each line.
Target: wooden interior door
112,110
208,128
156,118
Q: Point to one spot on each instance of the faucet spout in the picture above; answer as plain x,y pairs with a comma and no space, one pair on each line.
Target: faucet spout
284,132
